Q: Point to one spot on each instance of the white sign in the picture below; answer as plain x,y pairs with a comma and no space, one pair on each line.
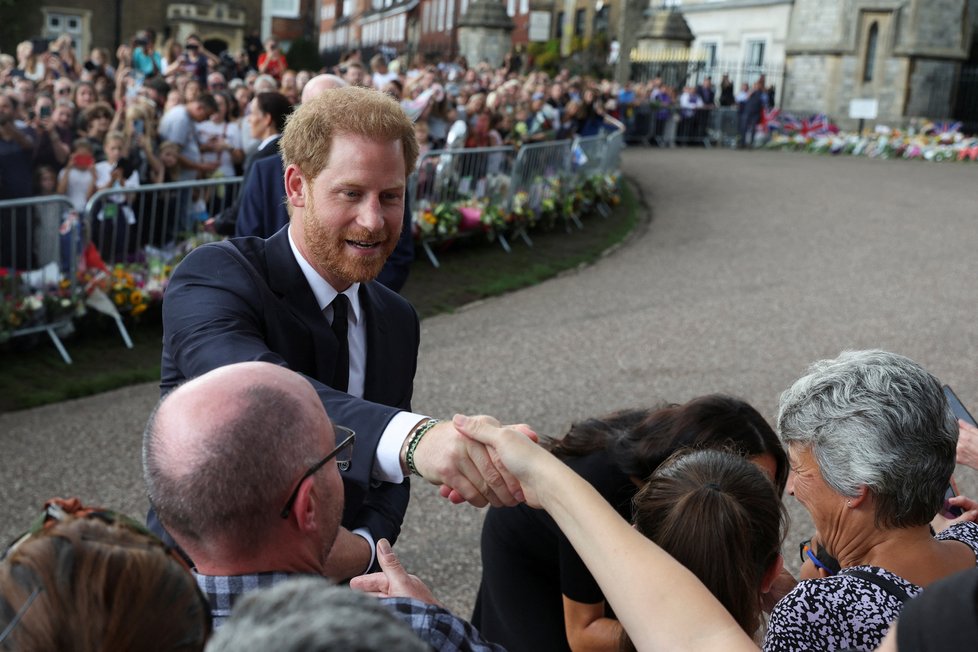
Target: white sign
539,29
864,109
282,8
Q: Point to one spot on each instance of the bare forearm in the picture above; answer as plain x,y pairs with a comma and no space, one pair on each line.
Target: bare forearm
601,635
349,556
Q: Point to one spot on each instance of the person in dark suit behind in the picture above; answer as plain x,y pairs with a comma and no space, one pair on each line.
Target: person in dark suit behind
266,120
750,117
347,156
263,211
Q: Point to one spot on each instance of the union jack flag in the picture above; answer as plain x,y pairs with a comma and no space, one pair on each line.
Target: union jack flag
770,119
790,123
945,127
812,126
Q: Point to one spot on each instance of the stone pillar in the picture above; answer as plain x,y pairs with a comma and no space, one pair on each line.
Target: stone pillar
631,15
485,33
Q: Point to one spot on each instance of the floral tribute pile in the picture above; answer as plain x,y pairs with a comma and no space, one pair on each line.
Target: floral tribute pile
542,204
920,141
34,299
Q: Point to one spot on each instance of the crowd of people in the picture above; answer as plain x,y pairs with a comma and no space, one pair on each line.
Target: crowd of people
56,111
281,451
153,113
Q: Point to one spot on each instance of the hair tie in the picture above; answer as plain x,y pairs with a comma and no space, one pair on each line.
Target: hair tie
713,485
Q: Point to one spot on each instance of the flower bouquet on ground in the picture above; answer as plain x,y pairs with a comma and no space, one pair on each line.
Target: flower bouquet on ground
28,301
439,222
521,215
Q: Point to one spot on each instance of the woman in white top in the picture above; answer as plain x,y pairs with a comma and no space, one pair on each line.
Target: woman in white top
220,137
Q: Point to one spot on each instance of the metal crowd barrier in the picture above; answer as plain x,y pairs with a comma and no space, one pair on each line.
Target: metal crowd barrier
40,239
43,238
612,151
477,174
542,170
123,222
671,126
588,155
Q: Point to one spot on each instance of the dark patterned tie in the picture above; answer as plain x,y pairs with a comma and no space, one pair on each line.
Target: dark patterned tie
341,374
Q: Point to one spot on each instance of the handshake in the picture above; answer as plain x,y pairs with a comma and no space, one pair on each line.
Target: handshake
473,459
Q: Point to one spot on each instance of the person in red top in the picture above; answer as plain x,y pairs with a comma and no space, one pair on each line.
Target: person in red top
272,61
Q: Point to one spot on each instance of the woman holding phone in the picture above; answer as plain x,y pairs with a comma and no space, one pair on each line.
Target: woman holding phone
139,126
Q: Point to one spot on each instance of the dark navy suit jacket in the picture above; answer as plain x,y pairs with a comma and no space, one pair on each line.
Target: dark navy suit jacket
247,299
262,213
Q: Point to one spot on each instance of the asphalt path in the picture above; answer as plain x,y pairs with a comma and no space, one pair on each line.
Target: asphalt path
749,266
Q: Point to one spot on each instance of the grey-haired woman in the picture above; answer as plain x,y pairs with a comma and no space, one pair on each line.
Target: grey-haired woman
871,443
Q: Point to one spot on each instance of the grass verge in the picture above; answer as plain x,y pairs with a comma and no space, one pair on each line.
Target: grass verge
32,373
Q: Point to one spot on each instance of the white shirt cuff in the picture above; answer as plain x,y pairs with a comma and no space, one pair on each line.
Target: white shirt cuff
365,533
387,463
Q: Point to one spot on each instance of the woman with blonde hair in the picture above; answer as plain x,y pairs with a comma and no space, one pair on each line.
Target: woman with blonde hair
28,62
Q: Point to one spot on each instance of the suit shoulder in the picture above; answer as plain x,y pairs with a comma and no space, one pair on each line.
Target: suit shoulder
385,298
268,164
250,250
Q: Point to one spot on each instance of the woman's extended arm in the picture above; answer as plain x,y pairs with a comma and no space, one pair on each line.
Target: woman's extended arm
660,604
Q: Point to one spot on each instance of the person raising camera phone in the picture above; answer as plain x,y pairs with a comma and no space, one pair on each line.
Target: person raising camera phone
272,61
53,145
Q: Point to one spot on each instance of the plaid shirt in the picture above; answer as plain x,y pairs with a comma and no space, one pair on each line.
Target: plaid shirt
436,626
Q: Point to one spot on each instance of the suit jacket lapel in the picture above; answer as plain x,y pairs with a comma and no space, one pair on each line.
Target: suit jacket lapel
286,279
378,343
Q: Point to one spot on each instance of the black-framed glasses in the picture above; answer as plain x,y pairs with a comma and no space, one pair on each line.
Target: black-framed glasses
343,454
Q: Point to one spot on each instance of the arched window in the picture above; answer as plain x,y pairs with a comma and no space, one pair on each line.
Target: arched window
871,42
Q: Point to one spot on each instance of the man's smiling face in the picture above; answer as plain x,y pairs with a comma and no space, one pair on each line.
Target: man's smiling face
352,213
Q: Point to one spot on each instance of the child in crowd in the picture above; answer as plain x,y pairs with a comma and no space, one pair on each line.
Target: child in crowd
111,229
47,219
421,132
77,181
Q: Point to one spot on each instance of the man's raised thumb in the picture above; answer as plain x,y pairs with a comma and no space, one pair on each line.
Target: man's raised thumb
387,559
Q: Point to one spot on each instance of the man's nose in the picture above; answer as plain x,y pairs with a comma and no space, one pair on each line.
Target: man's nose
371,215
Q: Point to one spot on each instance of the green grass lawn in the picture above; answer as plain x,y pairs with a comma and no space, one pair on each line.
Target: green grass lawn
32,373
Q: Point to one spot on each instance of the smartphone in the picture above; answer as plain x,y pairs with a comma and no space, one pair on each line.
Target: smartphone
45,111
138,127
960,411
84,161
950,511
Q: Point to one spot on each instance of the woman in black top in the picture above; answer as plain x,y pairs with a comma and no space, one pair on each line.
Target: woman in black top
536,593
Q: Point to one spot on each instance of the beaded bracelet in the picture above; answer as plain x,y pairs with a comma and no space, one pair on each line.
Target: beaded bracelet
415,440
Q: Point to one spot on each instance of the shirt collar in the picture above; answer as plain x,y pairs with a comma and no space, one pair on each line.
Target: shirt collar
223,591
324,292
268,140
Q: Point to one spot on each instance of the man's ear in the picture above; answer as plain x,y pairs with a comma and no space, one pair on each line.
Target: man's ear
305,506
295,186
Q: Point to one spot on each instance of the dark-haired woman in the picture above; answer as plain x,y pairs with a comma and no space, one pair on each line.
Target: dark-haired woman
697,499
536,593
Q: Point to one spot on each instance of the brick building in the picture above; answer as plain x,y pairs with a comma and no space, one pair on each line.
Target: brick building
101,23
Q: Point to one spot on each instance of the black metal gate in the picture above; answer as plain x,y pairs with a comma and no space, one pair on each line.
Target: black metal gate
966,103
